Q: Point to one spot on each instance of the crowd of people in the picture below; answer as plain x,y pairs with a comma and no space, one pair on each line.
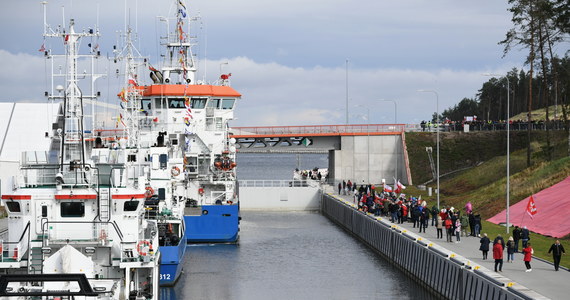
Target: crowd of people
482,125
401,209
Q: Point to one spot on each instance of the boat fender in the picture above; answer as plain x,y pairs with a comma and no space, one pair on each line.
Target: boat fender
175,171
141,245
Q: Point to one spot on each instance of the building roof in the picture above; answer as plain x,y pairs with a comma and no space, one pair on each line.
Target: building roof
23,127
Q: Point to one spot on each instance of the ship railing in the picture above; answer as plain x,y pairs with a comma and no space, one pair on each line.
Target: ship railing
142,250
152,212
95,232
14,251
279,183
34,175
215,197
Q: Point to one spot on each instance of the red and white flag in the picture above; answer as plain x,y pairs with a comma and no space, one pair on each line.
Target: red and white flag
531,207
132,80
387,188
400,187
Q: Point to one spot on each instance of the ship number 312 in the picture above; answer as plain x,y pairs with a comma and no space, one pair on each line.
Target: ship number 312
164,276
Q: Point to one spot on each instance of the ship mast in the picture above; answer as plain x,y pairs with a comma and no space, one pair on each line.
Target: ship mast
179,66
130,95
71,135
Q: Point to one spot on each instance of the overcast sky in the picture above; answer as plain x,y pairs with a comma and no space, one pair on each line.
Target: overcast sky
288,58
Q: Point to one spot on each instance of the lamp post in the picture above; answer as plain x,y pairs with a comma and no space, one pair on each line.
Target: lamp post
508,148
367,141
437,122
395,121
346,91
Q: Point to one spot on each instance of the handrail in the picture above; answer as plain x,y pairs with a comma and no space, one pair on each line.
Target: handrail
114,224
317,129
22,236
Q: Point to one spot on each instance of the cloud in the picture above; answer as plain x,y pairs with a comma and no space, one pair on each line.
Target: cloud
275,94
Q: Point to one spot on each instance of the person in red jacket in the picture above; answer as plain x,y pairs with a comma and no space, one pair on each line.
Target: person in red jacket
448,229
498,255
528,252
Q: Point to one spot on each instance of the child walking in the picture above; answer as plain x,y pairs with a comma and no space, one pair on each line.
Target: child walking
528,252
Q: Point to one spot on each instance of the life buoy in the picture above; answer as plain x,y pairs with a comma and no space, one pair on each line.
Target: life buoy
149,191
225,164
141,247
175,171
201,191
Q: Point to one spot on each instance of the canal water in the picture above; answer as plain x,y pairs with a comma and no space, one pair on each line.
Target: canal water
289,255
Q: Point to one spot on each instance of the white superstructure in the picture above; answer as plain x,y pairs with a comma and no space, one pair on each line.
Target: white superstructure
76,222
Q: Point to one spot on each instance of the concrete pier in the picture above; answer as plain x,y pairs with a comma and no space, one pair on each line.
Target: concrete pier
453,270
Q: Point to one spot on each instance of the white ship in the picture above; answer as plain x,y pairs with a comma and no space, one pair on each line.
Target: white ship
76,219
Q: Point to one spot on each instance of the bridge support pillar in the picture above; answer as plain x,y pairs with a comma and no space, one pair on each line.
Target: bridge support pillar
369,159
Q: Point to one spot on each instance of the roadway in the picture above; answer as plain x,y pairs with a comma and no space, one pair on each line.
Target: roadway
543,279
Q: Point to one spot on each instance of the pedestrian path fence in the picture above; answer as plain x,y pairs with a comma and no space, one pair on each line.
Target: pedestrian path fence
443,272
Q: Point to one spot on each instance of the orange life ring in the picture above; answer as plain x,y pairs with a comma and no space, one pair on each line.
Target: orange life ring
175,171
149,191
140,249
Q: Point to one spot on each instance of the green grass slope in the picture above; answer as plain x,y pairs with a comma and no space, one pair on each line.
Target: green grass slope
481,157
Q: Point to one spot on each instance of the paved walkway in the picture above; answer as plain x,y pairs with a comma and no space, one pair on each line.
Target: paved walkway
543,279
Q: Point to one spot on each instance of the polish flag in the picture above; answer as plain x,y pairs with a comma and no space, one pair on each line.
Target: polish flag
387,188
401,186
132,81
531,207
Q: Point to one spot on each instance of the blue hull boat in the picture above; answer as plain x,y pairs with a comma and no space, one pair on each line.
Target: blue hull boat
216,224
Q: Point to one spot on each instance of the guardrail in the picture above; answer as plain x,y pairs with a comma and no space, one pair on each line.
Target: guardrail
317,129
279,183
438,269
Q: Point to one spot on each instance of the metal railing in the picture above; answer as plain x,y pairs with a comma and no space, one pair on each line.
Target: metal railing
317,129
279,183
18,249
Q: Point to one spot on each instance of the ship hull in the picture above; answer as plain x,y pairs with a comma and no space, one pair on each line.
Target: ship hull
216,224
171,261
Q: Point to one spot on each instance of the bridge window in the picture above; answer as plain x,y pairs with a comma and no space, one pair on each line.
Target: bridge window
176,103
228,103
214,103
13,206
145,104
158,103
72,209
131,205
214,124
198,103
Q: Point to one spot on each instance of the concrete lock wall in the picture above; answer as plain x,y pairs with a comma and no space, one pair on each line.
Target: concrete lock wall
279,198
433,267
369,159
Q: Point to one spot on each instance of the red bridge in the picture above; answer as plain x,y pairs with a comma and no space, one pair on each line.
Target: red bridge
320,130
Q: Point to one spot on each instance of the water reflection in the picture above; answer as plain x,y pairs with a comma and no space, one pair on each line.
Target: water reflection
291,255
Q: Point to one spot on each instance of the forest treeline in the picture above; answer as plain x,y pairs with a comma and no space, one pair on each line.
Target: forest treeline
539,27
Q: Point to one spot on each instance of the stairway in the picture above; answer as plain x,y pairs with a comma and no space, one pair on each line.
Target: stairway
36,259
